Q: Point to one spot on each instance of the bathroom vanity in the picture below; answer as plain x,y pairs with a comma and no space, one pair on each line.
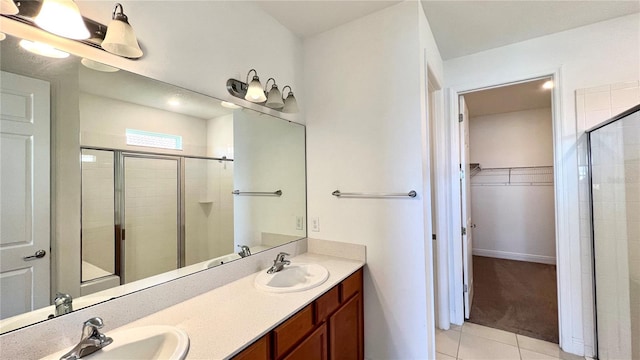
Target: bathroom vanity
330,327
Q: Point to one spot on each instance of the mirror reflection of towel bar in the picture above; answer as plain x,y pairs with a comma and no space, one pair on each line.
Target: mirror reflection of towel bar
337,193
274,193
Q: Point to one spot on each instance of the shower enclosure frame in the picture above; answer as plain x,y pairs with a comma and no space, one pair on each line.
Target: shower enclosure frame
592,219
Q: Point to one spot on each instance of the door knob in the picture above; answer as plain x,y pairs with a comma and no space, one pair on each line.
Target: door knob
38,255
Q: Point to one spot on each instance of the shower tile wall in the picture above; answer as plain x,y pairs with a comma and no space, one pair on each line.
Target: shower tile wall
209,209
594,106
98,252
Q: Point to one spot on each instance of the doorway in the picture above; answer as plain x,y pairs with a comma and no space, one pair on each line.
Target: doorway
507,212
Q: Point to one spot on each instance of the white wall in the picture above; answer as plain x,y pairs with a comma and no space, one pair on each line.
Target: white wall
367,134
602,53
514,139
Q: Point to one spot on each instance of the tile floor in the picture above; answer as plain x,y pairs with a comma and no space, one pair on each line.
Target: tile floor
472,341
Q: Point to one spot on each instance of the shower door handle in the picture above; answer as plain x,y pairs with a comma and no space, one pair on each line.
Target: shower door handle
38,255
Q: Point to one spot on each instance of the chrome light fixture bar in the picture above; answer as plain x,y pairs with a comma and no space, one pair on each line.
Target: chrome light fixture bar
253,91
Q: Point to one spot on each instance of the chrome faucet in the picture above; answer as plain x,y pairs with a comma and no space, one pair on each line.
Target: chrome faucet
63,303
244,251
279,263
92,340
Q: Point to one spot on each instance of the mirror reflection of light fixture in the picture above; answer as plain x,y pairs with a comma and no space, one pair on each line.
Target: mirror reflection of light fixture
62,17
2,36
8,7
290,103
229,105
255,93
274,98
548,85
43,49
98,66
120,38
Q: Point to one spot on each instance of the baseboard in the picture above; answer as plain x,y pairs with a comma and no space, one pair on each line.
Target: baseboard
515,256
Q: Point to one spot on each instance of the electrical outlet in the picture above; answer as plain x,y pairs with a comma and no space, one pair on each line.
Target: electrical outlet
299,222
315,224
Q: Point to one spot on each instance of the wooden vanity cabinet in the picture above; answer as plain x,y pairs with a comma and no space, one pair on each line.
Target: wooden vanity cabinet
330,328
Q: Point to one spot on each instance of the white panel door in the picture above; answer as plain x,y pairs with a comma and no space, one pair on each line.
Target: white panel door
465,196
24,194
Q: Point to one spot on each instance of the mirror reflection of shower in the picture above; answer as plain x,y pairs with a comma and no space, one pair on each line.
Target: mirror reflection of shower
145,214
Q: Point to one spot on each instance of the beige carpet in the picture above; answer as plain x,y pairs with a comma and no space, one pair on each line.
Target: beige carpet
516,296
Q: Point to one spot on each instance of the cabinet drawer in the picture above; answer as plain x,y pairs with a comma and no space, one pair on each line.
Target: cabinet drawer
327,304
293,330
259,350
350,286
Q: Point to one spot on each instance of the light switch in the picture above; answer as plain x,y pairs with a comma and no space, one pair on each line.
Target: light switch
299,222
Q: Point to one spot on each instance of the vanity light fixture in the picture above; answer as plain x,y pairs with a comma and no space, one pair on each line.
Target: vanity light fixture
274,97
255,93
62,17
43,49
290,103
120,38
8,7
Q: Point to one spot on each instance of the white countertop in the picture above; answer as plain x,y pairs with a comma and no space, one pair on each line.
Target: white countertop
223,321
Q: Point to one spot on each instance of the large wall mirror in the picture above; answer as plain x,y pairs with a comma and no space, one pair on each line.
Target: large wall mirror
112,182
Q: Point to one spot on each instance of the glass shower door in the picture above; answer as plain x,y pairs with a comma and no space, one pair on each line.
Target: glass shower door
151,209
615,179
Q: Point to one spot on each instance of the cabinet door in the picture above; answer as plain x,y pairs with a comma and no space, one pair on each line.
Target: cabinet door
259,350
314,347
346,331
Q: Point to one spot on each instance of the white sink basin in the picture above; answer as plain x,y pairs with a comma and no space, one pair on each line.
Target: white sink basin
147,342
292,278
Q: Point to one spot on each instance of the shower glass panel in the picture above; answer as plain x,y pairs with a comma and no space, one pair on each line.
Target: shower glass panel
98,232
151,215
208,206
615,182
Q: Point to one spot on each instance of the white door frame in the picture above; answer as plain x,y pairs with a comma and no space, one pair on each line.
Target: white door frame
565,273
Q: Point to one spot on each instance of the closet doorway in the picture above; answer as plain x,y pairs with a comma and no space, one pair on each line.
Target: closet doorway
508,208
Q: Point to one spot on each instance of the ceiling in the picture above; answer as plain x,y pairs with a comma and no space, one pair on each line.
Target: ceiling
459,27
517,97
306,18
467,27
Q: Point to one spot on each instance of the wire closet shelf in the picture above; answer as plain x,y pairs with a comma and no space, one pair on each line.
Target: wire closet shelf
508,176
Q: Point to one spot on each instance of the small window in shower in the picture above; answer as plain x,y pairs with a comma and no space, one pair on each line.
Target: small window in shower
155,140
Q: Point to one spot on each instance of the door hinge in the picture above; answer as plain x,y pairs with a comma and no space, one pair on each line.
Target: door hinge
433,236
123,232
460,117
466,288
464,231
461,174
